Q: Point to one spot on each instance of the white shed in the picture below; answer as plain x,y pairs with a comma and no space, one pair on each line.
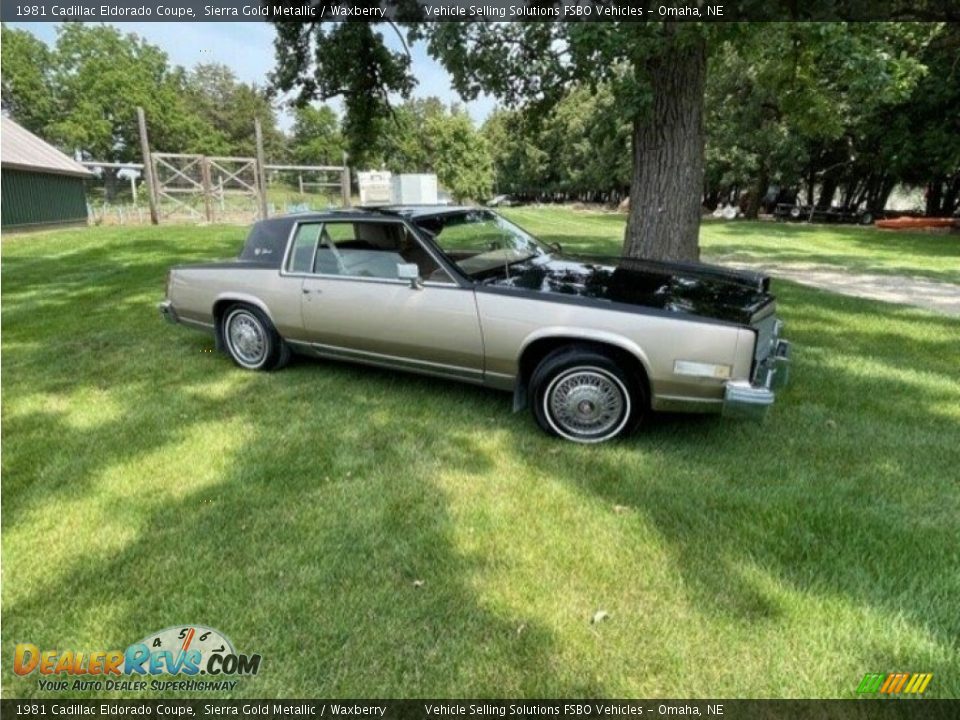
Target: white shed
420,189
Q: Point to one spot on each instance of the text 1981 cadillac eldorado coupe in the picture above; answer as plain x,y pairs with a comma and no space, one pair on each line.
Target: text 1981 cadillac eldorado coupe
590,345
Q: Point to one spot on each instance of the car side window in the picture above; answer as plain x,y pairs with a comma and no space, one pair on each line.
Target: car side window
372,250
301,256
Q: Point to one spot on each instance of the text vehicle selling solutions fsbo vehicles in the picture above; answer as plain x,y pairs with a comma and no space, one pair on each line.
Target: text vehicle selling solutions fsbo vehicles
591,345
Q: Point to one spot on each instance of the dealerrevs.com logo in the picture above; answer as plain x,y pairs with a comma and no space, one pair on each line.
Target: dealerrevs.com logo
183,650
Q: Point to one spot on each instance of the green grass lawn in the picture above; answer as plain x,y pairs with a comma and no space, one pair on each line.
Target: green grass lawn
147,482
931,255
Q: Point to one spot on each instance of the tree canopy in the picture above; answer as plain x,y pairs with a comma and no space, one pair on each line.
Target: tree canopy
591,107
82,94
424,135
674,115
229,106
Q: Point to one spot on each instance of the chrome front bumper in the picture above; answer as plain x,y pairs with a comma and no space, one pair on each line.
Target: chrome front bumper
745,399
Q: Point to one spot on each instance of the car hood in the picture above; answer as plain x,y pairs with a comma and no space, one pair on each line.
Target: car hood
691,288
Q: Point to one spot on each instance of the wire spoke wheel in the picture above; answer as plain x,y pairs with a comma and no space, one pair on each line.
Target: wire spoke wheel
586,404
246,339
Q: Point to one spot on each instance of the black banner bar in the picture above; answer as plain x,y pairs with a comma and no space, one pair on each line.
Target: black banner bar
637,11
884,709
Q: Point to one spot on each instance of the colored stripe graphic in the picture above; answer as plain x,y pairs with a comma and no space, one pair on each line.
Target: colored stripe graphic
895,683
871,683
915,680
898,685
889,681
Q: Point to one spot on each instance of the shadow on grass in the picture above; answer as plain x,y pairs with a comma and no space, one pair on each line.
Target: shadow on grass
306,550
848,491
329,503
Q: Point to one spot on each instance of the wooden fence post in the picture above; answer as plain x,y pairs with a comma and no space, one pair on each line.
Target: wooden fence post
261,169
345,182
147,167
207,187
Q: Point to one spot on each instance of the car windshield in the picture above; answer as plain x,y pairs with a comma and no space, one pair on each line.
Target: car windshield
480,241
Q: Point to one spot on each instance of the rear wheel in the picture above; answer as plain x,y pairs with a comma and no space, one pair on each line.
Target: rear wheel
584,395
251,340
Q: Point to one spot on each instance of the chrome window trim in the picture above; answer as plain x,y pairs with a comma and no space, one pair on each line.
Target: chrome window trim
441,262
291,241
379,281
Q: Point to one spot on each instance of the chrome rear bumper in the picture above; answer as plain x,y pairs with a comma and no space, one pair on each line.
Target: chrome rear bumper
745,399
167,312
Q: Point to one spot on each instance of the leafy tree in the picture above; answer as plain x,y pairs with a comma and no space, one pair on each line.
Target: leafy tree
459,156
348,60
317,139
784,102
656,72
520,163
423,135
915,141
101,76
581,148
403,144
215,95
27,86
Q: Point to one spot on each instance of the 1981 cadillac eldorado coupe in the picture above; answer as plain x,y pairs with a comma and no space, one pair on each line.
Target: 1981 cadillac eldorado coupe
590,345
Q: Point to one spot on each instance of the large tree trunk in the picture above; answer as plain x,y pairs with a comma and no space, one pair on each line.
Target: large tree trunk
110,184
758,194
668,142
934,194
951,196
828,188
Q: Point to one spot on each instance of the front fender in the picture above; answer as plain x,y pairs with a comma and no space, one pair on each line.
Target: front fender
573,333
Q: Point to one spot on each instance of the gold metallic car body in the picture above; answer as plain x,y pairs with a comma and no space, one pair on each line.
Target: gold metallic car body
486,334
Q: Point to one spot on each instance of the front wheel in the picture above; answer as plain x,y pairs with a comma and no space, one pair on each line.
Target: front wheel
585,396
251,340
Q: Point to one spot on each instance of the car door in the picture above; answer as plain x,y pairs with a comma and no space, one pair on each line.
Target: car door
354,306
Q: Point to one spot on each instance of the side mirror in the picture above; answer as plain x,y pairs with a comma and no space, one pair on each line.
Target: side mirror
556,247
411,272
